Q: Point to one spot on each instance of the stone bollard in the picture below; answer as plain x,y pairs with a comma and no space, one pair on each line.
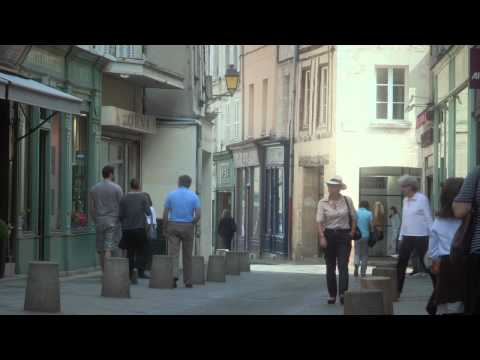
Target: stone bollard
134,279
43,287
364,302
216,268
161,275
198,270
116,278
392,274
222,252
383,283
232,260
244,261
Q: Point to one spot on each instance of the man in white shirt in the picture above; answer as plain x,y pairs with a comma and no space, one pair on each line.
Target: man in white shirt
415,229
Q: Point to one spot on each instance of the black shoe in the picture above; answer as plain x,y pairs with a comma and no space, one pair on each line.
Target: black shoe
341,300
331,301
189,286
175,283
355,272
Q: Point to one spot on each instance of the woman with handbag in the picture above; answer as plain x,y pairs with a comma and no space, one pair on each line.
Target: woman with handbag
336,219
226,230
364,220
448,295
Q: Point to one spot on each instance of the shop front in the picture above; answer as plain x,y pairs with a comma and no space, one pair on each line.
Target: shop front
248,215
224,190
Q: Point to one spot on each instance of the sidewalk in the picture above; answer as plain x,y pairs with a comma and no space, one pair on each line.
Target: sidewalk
268,290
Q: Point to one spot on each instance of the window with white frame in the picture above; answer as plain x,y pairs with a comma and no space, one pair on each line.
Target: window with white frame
391,85
322,96
227,56
286,98
235,56
236,121
228,124
305,98
215,62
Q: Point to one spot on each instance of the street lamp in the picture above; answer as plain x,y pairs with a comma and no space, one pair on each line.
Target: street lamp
232,79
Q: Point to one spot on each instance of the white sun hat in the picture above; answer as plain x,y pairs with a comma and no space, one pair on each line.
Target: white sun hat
337,181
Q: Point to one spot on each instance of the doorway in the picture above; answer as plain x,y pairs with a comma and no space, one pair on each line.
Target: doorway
42,198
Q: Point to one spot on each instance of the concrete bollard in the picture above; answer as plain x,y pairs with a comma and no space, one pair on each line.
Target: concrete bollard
392,274
134,279
198,270
216,268
116,278
232,260
364,302
383,283
222,252
244,261
161,275
43,287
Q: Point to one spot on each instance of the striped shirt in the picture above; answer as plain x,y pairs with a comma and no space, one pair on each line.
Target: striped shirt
467,194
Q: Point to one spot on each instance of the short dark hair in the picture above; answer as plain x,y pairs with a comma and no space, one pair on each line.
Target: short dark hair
107,170
184,181
394,209
364,204
134,184
450,190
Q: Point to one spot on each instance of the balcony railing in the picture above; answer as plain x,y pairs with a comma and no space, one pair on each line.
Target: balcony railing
134,52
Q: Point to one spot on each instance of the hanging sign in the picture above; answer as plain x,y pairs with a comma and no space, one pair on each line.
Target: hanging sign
474,69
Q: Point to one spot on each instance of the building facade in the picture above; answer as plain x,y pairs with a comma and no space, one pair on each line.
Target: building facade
356,115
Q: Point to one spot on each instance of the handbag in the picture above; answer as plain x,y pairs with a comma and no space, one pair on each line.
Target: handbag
372,240
463,237
151,230
357,235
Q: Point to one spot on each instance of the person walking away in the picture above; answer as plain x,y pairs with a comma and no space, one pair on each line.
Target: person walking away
134,207
365,224
415,229
226,229
181,213
448,295
395,222
465,203
336,234
104,207
378,220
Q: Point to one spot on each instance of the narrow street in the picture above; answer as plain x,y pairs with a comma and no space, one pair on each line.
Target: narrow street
286,289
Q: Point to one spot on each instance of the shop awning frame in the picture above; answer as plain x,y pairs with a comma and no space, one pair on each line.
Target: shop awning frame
30,92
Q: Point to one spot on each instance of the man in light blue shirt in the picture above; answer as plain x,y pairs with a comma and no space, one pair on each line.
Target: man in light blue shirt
182,211
364,223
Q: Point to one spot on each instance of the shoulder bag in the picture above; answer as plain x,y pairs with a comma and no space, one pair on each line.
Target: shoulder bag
358,234
463,237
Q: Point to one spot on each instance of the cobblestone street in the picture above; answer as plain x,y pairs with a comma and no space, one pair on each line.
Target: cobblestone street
286,289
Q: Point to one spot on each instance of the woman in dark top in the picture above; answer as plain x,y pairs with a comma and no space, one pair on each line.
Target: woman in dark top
226,229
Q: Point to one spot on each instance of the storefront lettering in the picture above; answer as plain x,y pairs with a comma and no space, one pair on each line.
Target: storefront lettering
275,156
474,69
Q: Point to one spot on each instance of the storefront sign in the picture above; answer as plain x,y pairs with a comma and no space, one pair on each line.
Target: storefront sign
427,138
275,156
246,158
224,174
124,119
474,68
423,118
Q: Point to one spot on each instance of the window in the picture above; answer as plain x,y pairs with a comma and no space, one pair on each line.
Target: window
251,99
215,62
264,105
228,132
79,171
390,93
461,134
26,171
322,96
286,98
305,99
236,122
227,56
55,173
235,56
256,203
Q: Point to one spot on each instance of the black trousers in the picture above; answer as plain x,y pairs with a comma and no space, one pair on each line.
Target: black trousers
135,241
339,246
408,245
472,286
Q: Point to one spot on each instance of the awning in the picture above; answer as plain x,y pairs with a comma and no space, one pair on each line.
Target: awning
33,93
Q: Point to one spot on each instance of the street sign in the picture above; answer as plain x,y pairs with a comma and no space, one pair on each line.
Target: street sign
474,82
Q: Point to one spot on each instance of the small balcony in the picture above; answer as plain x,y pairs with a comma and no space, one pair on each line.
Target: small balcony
115,117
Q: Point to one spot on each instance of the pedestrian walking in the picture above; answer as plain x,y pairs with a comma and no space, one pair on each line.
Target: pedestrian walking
378,220
182,211
226,230
104,208
465,207
395,222
365,224
336,219
415,229
448,295
134,207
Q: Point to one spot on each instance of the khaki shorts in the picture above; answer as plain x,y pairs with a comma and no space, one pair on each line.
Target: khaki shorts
108,236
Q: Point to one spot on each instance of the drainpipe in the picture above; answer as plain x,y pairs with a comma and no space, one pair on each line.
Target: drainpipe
291,150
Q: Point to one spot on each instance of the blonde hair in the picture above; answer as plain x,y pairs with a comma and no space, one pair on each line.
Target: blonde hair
378,213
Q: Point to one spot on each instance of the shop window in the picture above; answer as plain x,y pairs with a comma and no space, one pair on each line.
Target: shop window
461,134
256,203
55,173
391,86
26,170
442,153
79,171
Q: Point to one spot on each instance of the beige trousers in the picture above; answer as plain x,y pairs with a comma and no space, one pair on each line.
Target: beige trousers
181,232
